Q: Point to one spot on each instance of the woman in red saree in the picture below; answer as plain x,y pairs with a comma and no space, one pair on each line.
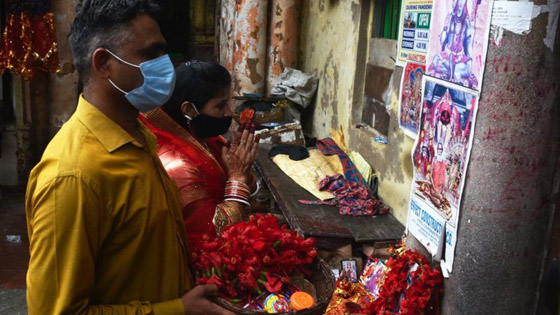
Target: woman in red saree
212,175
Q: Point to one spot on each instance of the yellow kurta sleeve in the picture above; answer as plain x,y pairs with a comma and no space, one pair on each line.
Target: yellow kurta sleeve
67,224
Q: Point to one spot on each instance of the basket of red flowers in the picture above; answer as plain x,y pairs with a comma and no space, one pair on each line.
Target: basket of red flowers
262,267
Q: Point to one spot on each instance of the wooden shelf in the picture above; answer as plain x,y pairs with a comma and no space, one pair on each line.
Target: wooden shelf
320,221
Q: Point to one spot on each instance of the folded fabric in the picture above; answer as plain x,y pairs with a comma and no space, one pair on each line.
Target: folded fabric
329,147
308,172
295,152
361,165
351,198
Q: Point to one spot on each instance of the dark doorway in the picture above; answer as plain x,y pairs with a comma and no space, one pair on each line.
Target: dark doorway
189,28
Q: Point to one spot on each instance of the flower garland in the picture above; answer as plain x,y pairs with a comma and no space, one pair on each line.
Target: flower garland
252,257
402,296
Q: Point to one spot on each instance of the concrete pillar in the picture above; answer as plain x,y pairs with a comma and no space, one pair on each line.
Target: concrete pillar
249,51
284,26
507,201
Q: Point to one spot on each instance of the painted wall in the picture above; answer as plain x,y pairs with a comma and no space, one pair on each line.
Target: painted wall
329,45
334,42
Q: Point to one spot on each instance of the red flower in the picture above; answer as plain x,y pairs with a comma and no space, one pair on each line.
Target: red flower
253,256
247,280
273,284
246,116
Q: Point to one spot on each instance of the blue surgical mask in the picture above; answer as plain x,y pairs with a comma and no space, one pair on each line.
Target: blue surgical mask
159,82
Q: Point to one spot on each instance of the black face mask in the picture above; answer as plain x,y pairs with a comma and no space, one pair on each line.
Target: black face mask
206,126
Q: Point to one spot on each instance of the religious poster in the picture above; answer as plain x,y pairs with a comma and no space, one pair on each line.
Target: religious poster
414,35
440,157
459,40
410,98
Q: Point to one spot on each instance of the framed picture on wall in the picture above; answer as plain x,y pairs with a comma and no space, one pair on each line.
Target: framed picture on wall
349,270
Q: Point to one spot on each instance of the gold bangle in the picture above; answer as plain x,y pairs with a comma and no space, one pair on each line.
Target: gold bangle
233,212
221,219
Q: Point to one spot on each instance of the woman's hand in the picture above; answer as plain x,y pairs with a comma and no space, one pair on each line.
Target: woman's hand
240,155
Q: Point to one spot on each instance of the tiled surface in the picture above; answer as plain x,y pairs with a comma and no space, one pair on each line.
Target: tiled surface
12,302
14,253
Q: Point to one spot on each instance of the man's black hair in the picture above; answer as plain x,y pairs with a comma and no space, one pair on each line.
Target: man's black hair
197,82
102,23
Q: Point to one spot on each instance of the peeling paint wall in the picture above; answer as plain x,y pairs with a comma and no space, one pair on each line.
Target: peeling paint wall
249,51
284,26
329,46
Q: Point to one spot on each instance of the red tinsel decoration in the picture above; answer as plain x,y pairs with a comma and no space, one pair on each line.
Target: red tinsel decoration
45,49
28,41
17,51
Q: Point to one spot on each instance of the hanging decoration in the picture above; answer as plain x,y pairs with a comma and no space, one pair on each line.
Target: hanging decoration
17,46
45,52
29,39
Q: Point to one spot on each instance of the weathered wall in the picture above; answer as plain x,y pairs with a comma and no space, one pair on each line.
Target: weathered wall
283,35
392,162
329,46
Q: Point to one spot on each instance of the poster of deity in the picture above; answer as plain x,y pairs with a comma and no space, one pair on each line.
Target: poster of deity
440,158
459,41
410,98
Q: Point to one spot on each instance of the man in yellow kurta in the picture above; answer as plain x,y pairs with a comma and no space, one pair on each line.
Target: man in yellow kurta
105,229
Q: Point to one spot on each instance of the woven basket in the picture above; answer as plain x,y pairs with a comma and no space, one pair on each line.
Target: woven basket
321,278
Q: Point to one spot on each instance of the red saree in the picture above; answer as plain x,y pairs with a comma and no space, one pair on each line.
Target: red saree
197,170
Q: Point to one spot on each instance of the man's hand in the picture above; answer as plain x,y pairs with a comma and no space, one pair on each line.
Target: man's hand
197,301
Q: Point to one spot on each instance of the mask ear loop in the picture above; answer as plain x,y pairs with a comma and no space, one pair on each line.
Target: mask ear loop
116,87
122,60
126,63
195,109
189,118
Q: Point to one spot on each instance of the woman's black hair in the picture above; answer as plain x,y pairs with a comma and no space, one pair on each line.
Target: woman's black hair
197,82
